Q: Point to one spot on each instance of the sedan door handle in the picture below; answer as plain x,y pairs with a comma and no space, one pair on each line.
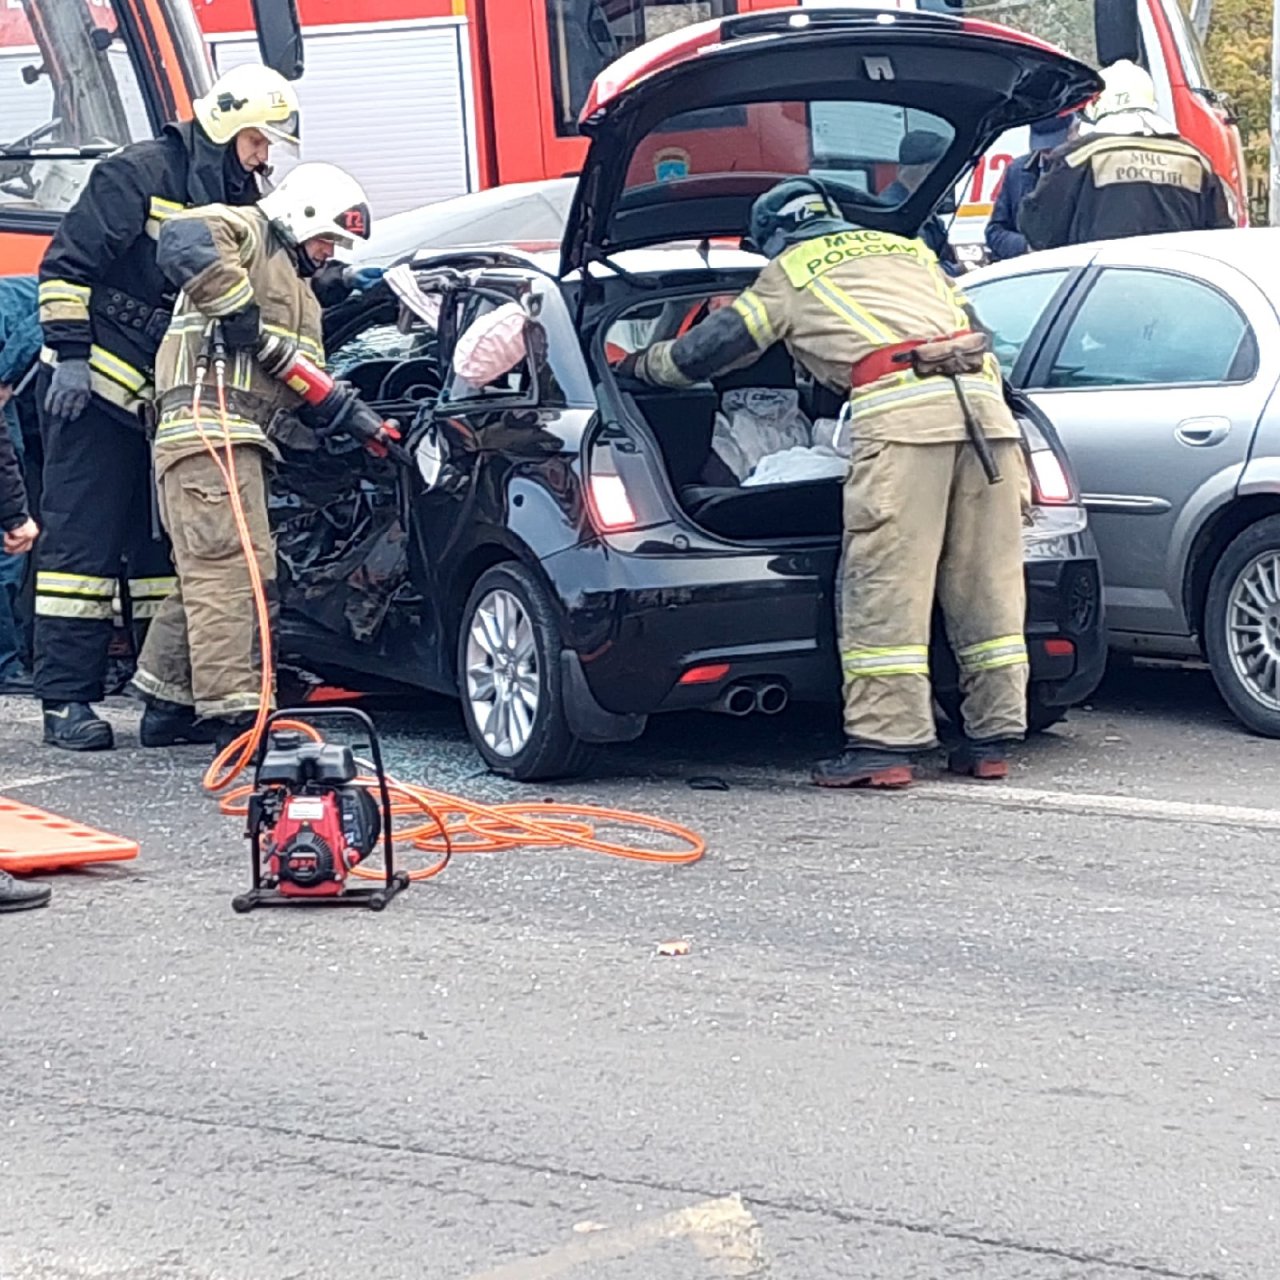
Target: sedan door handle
1201,432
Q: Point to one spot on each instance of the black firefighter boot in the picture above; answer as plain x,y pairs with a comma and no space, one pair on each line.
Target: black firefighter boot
228,728
75,726
986,761
863,766
170,724
16,896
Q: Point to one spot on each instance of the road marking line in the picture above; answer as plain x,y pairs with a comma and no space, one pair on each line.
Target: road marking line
1100,805
39,779
723,1232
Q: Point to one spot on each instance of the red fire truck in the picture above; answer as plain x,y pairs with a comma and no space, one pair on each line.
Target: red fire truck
425,99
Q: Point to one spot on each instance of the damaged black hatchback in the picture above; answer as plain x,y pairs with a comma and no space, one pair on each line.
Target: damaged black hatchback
571,553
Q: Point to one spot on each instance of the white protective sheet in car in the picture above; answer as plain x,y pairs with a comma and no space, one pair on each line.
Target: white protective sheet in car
404,284
795,466
754,422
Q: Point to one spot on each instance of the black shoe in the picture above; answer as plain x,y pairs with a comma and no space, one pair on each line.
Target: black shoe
18,684
986,761
228,729
859,766
75,726
16,896
168,724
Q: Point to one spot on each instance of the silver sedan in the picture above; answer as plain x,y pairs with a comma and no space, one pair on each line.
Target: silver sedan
1157,360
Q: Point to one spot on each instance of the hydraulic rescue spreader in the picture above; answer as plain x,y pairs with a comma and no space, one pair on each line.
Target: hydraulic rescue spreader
339,406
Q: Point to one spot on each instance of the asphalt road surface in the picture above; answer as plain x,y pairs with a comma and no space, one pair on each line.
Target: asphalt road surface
1018,1033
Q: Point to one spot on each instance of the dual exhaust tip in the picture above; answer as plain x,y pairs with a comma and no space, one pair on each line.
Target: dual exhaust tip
751,697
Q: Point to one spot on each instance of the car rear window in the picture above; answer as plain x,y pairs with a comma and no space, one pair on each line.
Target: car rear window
874,151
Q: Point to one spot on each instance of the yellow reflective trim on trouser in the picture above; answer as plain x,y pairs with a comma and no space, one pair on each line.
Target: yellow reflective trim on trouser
75,584
858,317
895,660
154,687
756,318
233,704
72,607
145,610
151,588
989,655
119,371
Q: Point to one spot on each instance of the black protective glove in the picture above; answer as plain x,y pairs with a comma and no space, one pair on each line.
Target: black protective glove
626,367
343,412
69,390
242,330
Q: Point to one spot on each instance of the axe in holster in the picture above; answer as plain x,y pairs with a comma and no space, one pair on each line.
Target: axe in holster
953,358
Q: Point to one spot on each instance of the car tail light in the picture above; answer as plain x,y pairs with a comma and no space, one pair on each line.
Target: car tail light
1050,485
610,504
705,675
1059,648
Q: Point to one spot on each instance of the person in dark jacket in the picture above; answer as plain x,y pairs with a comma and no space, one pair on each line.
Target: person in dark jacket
19,345
1004,240
1130,174
104,307
918,152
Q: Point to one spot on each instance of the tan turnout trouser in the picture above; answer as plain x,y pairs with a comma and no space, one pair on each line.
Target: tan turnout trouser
921,519
203,647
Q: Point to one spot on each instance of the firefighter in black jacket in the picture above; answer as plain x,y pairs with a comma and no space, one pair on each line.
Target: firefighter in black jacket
104,307
1130,174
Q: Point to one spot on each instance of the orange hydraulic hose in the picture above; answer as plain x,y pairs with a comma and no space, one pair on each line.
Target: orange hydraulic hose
455,824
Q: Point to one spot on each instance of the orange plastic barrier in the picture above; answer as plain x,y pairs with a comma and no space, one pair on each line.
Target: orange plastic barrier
33,840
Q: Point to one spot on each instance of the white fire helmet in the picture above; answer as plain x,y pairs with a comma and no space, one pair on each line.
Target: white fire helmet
319,200
1127,103
250,96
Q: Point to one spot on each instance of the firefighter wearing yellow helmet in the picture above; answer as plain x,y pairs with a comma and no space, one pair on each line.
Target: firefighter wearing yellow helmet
105,305
1127,174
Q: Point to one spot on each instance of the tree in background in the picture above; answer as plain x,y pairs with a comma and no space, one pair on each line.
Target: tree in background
1239,53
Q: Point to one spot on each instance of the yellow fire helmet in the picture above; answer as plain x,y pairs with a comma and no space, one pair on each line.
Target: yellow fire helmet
250,97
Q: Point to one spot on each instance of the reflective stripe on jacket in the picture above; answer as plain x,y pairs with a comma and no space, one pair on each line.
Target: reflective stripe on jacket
834,300
225,259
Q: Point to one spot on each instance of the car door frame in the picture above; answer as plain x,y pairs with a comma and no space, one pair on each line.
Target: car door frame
508,500
1221,488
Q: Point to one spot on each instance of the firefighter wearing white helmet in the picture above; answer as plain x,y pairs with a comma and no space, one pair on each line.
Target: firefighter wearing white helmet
104,306
1129,174
247,272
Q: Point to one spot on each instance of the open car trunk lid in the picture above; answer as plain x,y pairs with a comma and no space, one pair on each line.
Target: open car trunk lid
689,129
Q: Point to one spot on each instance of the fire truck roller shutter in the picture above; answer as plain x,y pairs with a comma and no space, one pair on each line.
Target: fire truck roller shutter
390,103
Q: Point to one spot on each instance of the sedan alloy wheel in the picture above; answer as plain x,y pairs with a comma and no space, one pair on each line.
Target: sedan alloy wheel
503,682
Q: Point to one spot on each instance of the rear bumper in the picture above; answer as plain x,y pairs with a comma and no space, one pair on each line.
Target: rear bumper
771,617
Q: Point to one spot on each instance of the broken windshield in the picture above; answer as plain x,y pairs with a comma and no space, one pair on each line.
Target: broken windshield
67,81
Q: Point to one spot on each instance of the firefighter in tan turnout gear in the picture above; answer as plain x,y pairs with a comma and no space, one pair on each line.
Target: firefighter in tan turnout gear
249,270
862,311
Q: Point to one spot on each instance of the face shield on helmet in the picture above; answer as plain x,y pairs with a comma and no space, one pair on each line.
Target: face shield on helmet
251,97
318,202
